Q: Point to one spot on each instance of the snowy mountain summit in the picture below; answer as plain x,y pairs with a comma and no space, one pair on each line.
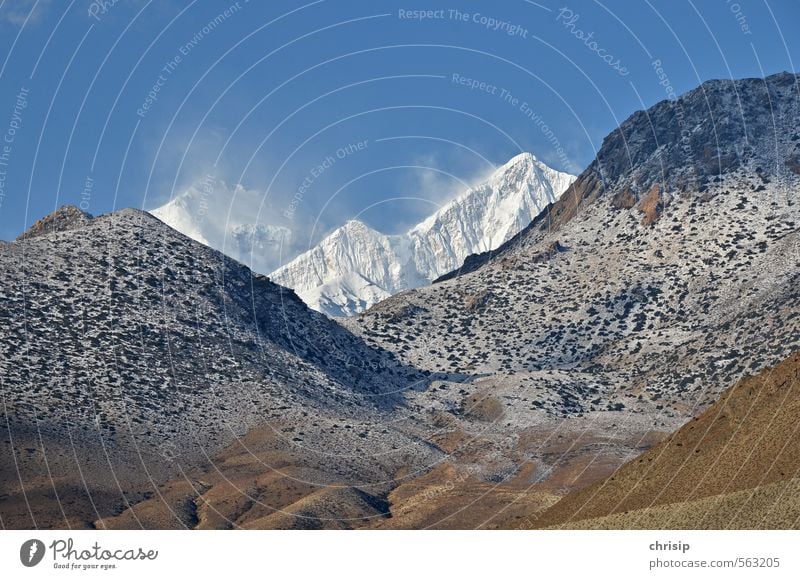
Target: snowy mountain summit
229,219
356,266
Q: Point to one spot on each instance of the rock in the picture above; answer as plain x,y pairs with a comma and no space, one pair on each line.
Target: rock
63,219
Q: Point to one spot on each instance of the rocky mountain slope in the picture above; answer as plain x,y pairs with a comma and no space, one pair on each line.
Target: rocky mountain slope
144,352
355,266
665,274
639,300
686,145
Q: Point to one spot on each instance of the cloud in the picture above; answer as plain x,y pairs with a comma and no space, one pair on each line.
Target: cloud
18,12
237,220
439,186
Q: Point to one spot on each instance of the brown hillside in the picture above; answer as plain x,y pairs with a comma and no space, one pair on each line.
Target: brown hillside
722,461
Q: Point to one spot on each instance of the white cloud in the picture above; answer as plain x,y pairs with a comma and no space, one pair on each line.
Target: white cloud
18,12
438,186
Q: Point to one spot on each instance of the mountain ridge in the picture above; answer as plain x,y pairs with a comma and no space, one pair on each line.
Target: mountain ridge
130,345
639,307
672,156
619,316
479,219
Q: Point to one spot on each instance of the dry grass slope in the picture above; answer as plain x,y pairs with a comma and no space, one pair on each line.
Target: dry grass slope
734,466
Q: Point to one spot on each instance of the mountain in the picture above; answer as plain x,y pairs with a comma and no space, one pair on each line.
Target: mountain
652,273
352,268
131,353
655,282
63,219
618,316
231,220
150,381
355,267
734,466
687,145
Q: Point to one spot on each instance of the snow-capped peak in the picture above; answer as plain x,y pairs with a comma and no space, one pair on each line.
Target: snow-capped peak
228,218
356,266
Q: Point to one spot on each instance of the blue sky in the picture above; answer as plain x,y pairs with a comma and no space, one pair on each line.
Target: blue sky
127,104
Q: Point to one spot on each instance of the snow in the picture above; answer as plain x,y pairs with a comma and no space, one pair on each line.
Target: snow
337,296
356,266
229,219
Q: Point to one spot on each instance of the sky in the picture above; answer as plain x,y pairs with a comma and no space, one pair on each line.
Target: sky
335,109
